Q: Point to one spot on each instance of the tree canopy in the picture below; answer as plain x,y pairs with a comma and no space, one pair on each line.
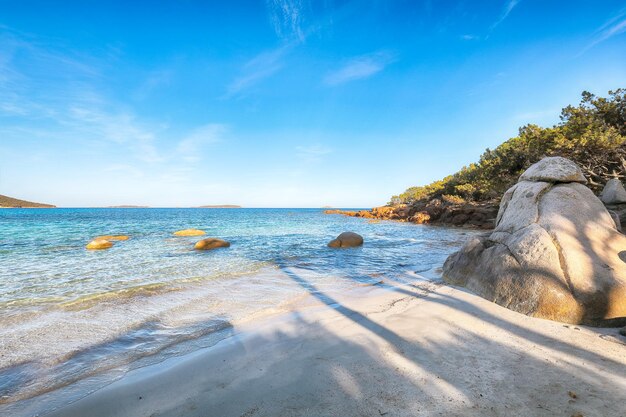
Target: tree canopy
592,134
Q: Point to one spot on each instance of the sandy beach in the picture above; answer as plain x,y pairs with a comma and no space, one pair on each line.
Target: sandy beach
424,349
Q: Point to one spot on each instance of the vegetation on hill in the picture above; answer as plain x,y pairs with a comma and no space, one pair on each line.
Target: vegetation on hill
14,202
593,134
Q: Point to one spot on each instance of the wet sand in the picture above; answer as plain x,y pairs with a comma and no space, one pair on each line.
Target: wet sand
424,349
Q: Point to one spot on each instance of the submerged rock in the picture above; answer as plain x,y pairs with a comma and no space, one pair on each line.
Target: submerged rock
211,243
613,192
112,237
98,244
346,240
553,254
190,232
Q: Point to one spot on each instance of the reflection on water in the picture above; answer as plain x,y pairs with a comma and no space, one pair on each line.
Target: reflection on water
67,313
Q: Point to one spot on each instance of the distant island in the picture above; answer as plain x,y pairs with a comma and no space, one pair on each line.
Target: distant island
220,206
10,202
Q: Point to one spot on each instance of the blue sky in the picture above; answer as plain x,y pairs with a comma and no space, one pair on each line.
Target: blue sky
282,103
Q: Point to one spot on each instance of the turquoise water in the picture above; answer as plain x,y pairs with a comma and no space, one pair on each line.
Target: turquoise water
67,313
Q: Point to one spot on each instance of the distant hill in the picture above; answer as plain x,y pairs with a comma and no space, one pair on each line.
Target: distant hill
14,202
221,206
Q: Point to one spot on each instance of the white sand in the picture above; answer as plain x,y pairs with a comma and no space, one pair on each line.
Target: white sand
420,350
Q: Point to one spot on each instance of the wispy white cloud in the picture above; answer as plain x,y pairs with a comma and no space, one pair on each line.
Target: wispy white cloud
122,128
154,80
289,23
287,18
74,108
508,8
258,68
360,67
469,37
59,102
613,27
59,93
190,146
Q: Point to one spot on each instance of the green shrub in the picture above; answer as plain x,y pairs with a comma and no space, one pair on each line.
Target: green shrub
592,134
454,199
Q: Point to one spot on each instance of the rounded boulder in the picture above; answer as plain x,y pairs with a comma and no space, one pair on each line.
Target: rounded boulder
98,244
190,232
112,237
554,169
613,192
211,243
346,240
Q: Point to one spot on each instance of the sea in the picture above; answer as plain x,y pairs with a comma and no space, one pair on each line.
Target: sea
68,314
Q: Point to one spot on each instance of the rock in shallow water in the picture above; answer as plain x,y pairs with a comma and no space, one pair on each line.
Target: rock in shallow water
211,243
97,244
112,237
190,232
346,240
553,254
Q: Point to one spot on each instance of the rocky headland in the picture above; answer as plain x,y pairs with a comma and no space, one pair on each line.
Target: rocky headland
449,211
442,211
591,134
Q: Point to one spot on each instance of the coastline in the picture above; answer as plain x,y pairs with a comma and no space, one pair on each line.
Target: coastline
391,349
435,212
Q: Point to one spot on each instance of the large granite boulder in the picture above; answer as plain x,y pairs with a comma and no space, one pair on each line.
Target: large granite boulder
613,192
555,252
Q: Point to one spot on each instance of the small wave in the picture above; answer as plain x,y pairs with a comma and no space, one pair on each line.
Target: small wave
89,301
61,248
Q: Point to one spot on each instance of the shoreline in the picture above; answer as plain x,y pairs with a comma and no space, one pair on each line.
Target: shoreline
411,349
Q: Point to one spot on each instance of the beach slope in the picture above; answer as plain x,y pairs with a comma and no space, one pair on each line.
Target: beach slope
407,350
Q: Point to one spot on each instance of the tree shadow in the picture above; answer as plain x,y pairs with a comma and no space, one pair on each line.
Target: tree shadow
346,361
